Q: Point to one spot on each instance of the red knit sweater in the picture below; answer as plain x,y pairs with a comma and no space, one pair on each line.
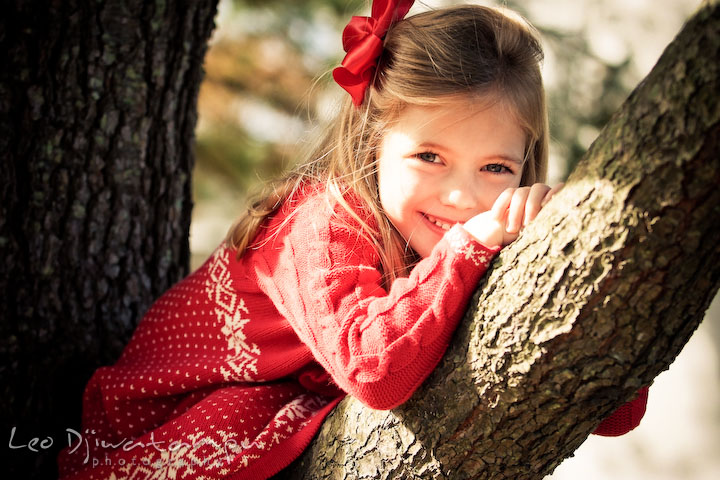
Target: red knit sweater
231,372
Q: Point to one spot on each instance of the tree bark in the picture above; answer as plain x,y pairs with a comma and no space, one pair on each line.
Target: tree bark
97,113
593,300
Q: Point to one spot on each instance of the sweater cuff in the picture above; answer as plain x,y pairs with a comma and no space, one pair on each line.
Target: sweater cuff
467,246
625,418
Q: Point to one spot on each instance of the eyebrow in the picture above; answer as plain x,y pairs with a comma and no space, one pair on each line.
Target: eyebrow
501,156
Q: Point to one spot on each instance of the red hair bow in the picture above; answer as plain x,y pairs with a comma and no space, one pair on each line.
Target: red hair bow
363,42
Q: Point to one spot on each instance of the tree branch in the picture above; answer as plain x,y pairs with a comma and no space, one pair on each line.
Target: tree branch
594,299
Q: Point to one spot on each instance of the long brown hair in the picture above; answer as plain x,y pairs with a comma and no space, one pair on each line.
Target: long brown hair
469,52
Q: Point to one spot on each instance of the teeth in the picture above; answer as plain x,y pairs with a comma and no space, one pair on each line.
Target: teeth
444,226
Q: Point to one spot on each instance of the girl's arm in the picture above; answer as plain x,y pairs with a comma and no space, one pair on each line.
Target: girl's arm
377,345
625,418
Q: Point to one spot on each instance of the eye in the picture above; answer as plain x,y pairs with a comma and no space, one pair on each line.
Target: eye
428,157
497,168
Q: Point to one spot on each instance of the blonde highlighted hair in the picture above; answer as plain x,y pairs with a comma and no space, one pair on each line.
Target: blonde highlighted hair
469,52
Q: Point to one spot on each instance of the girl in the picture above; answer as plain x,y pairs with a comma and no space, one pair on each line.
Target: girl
350,275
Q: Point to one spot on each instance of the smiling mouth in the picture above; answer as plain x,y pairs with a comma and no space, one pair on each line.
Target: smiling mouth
438,222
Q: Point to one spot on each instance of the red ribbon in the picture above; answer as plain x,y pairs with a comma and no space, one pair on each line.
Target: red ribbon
363,42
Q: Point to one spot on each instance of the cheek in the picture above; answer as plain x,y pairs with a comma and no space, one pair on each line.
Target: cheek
386,185
397,185
490,189
394,196
387,198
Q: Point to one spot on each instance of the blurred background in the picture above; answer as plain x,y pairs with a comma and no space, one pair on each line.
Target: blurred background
268,91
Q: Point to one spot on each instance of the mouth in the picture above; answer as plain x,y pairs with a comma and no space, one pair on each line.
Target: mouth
440,223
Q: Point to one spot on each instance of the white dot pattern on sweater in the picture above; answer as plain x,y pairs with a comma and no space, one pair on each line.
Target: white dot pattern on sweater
232,370
144,426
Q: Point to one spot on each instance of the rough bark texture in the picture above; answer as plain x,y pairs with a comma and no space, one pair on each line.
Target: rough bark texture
97,113
591,302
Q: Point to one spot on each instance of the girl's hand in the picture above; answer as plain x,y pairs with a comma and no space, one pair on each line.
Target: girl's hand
512,211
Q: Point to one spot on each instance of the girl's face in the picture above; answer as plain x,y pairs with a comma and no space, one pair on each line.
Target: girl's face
442,165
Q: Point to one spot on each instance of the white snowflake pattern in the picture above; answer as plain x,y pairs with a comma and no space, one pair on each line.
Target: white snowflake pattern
230,308
201,454
463,246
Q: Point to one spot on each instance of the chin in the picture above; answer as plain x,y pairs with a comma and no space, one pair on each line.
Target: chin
424,250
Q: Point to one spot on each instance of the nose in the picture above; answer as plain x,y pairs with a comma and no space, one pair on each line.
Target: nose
462,193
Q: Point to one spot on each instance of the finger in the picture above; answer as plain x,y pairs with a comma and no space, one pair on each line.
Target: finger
502,203
534,201
508,238
552,192
517,209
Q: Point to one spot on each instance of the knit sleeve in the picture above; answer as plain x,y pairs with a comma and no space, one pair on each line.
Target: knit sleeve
625,418
377,345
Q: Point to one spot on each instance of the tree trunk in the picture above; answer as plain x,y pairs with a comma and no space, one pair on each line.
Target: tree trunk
594,299
97,113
